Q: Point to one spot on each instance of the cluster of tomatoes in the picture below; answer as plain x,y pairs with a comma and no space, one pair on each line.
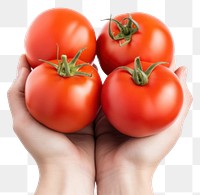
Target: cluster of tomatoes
140,96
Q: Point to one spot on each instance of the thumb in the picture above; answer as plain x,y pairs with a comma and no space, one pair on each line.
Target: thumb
181,72
16,91
182,75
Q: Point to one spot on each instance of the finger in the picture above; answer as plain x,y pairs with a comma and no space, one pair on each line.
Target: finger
16,91
16,94
23,63
182,75
172,66
102,125
22,66
181,72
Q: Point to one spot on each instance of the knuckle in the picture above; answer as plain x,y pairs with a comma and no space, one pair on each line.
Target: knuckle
17,125
10,92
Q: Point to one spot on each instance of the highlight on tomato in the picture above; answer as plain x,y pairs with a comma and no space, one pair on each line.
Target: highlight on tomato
127,36
142,100
64,95
68,29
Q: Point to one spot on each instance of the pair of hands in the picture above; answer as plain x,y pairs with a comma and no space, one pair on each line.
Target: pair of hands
71,163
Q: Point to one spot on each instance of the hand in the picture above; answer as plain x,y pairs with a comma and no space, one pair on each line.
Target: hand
65,161
125,165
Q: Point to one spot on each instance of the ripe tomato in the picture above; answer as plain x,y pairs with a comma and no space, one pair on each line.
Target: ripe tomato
145,108
146,37
60,101
63,28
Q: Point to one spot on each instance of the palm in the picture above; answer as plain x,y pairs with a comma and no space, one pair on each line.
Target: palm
114,146
114,149
44,144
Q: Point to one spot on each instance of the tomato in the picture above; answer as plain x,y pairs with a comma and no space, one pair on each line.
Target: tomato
141,35
63,28
63,101
140,106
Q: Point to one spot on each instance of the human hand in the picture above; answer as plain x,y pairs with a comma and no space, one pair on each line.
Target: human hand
65,161
125,165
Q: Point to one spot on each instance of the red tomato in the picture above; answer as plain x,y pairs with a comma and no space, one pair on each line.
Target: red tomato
148,38
140,110
63,103
65,28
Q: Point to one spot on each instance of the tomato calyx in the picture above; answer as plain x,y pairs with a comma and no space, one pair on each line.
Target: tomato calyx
68,69
126,30
139,76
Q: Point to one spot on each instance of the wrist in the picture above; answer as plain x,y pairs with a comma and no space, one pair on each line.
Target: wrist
125,181
64,179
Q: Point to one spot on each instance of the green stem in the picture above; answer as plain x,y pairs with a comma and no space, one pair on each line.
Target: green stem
81,65
139,76
50,63
65,69
82,74
138,63
126,30
151,68
68,69
76,57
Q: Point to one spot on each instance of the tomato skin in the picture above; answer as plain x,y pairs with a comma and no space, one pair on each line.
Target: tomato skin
153,43
64,104
140,111
61,27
